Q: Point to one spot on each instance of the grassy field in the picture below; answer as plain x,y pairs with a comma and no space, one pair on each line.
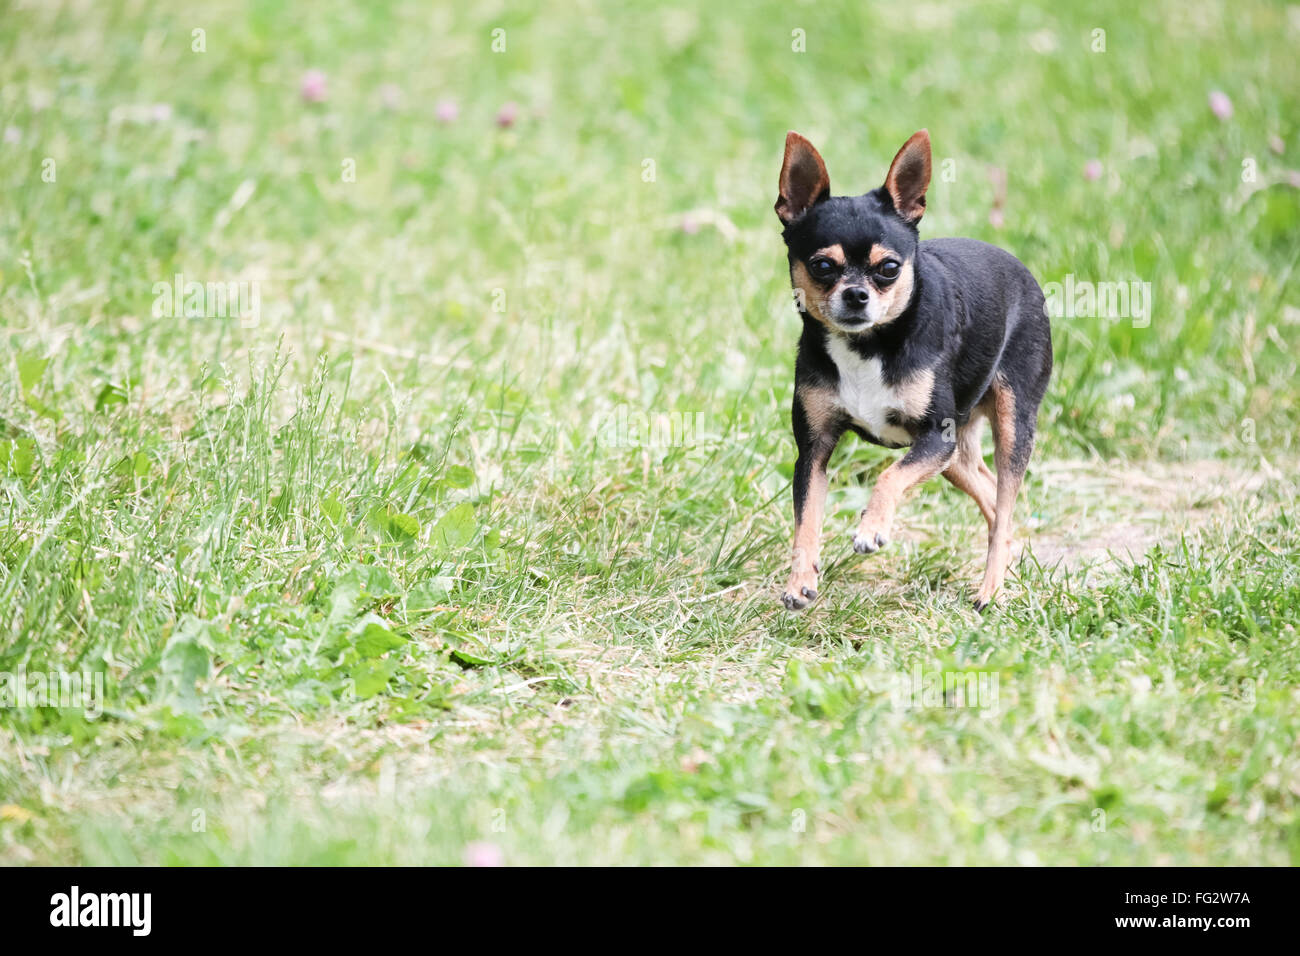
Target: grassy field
462,538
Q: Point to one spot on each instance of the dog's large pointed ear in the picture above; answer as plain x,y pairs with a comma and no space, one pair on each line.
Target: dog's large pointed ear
909,177
804,182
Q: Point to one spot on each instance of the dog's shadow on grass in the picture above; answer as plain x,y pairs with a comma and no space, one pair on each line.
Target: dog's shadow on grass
903,589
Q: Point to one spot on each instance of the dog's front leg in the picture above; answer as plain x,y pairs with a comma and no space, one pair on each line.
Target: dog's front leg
816,433
929,455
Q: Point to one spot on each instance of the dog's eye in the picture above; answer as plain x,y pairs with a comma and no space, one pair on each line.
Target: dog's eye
888,270
822,269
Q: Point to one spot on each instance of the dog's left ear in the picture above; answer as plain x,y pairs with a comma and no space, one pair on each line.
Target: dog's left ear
909,177
804,182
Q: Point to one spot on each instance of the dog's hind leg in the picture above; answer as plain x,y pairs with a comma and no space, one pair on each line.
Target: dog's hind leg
1013,440
969,473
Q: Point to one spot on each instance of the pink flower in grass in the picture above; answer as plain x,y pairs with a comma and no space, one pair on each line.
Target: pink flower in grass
446,111
484,854
507,115
1092,170
1220,105
313,87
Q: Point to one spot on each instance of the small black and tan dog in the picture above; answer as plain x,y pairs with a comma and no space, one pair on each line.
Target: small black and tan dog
906,343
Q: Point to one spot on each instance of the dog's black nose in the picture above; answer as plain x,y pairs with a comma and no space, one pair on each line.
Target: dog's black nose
856,296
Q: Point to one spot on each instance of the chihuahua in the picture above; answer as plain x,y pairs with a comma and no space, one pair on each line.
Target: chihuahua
908,344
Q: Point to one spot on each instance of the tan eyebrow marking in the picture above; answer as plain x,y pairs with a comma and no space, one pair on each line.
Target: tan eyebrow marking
834,253
880,253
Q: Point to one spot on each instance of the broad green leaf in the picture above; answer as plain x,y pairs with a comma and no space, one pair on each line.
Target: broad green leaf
394,524
376,639
371,677
455,529
332,508
110,394
466,659
375,581
185,659
404,525
429,594
18,456
458,476
31,367
343,600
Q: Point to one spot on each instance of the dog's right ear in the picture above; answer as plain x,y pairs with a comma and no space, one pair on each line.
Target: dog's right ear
909,177
804,182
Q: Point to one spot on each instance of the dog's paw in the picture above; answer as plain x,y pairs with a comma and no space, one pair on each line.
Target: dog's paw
865,542
800,591
797,602
984,598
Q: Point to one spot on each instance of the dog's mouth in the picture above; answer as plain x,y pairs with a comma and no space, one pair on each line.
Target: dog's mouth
851,322
849,317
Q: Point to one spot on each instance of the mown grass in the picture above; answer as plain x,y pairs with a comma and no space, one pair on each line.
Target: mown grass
367,581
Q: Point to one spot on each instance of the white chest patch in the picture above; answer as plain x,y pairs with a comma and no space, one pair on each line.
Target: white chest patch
864,394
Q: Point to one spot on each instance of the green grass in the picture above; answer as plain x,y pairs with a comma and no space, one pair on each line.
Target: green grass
366,585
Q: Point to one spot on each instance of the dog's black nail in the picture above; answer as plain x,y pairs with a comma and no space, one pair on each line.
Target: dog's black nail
865,545
810,593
